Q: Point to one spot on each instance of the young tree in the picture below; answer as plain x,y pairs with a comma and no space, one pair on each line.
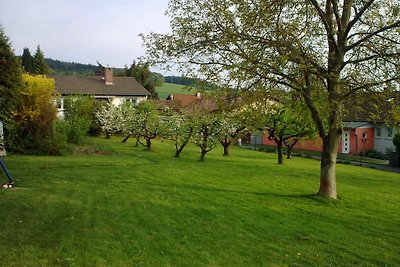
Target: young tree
232,126
325,50
148,122
141,121
179,129
206,132
27,61
286,125
39,63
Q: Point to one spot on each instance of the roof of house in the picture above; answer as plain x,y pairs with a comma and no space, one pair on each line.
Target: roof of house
372,107
95,85
183,99
193,102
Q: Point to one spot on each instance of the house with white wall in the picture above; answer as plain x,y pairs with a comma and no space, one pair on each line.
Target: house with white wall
105,87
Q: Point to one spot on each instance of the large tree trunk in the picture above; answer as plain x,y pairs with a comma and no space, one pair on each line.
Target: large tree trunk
328,164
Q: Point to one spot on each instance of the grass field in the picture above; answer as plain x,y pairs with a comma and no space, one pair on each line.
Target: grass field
169,88
122,206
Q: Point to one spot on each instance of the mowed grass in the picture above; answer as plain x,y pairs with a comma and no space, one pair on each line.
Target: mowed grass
169,88
128,207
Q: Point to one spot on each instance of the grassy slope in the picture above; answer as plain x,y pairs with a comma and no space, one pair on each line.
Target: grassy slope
170,88
150,209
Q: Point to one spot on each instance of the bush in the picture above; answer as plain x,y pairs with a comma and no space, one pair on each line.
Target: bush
375,154
72,131
30,129
79,119
396,142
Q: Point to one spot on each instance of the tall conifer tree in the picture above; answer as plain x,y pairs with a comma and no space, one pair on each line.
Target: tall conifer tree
39,64
10,77
27,60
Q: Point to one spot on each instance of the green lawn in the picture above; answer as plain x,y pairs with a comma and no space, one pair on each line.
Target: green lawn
123,206
169,88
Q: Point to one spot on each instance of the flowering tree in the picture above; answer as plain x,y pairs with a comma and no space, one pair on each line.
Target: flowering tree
141,121
179,129
232,126
207,129
286,126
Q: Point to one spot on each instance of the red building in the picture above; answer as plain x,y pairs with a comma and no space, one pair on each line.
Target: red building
356,137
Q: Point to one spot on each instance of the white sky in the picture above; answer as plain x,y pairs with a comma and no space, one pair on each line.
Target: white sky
83,31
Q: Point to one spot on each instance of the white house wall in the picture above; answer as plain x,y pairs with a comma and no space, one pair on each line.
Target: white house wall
383,142
114,100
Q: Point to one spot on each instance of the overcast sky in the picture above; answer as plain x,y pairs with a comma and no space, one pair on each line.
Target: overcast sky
83,31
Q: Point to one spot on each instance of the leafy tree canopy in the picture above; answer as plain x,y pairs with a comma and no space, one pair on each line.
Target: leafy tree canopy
325,50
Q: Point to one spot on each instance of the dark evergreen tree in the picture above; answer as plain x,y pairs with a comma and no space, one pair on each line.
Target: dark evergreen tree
27,60
39,64
10,86
10,77
145,77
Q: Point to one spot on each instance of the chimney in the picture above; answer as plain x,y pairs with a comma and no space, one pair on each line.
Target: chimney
108,75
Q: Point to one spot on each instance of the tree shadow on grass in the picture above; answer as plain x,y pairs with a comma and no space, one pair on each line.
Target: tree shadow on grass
201,188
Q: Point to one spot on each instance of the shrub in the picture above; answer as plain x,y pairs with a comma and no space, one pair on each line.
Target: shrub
32,126
79,118
375,154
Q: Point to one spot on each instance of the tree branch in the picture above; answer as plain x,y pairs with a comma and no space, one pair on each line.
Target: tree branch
358,16
372,34
326,23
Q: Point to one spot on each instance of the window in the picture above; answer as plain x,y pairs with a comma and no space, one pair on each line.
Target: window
60,103
389,132
134,101
378,132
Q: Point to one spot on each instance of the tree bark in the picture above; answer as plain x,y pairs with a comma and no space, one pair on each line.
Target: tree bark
126,139
226,143
280,153
289,152
148,144
328,164
203,154
226,150
179,150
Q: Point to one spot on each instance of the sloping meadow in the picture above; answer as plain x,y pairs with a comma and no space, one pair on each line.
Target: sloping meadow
117,205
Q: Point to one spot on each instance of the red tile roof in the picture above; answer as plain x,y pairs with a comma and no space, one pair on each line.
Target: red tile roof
192,102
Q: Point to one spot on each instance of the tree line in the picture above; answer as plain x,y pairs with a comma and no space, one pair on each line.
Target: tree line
217,119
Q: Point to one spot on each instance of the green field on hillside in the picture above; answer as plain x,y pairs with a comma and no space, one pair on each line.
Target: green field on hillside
170,88
114,204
